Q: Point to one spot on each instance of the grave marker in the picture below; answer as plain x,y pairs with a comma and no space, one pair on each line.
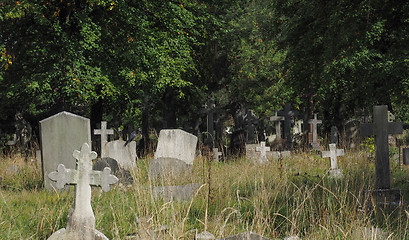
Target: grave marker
210,109
334,135
333,153
61,134
287,113
104,132
381,128
216,154
124,155
263,149
81,219
314,122
277,119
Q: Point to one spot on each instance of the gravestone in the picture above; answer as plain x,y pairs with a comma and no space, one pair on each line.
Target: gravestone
405,155
81,219
314,122
205,235
251,121
246,236
334,135
262,149
104,132
277,155
210,110
298,126
61,134
175,193
381,128
124,155
174,154
124,176
333,153
277,119
287,113
216,154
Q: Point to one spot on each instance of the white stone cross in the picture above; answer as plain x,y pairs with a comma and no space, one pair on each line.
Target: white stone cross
104,132
81,219
216,154
314,122
263,149
333,153
277,119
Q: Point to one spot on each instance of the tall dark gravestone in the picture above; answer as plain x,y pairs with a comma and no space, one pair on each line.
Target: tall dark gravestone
381,128
287,113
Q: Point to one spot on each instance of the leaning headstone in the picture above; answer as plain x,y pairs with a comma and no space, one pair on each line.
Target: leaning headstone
277,119
205,235
314,122
61,134
405,155
333,153
104,132
287,113
81,219
174,154
124,155
263,152
124,176
246,236
381,128
175,193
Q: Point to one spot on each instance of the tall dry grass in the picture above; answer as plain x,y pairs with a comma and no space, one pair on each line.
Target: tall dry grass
286,197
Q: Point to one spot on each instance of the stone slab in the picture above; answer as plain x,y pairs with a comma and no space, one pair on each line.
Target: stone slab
176,143
176,193
246,236
61,134
124,155
169,168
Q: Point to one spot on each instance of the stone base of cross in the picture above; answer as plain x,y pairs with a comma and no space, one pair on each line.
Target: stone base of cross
81,220
335,173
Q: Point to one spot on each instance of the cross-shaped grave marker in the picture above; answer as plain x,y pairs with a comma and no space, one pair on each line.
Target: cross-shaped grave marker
81,219
263,152
333,153
277,119
210,109
216,154
314,122
381,128
104,132
287,113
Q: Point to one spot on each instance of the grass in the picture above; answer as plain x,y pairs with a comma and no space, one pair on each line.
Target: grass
281,198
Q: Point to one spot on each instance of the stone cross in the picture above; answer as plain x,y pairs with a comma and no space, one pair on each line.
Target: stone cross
210,109
333,153
287,113
81,220
104,132
381,128
277,119
314,122
216,154
263,149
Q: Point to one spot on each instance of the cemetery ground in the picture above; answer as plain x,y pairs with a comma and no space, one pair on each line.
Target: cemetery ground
292,196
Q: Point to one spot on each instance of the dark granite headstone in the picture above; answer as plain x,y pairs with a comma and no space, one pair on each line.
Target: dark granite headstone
287,113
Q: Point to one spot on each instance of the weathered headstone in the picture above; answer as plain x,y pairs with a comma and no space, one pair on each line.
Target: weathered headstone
263,155
175,193
104,132
61,134
205,235
246,236
314,122
298,126
333,153
334,135
288,114
277,119
381,128
124,176
276,155
124,155
216,154
174,154
81,219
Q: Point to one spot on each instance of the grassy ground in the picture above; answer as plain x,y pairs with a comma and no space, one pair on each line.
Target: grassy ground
282,198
